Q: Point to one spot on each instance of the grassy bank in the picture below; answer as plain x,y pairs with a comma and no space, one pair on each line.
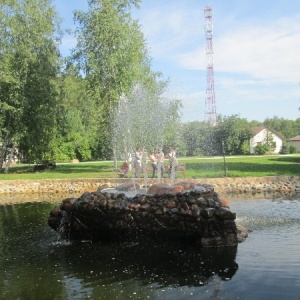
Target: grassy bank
241,166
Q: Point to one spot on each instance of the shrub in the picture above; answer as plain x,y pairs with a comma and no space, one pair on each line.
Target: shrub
293,149
285,149
262,149
245,148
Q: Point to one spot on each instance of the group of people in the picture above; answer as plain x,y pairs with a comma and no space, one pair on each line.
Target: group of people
157,161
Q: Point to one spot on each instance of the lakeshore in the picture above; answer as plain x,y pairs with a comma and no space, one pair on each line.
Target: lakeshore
238,185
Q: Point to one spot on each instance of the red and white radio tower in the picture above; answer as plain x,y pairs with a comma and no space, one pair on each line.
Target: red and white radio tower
210,101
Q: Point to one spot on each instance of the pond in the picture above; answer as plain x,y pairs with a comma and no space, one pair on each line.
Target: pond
35,264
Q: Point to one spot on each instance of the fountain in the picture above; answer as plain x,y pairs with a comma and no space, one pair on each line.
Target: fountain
183,211
140,121
178,211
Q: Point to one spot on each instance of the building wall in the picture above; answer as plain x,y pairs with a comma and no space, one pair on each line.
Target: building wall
261,137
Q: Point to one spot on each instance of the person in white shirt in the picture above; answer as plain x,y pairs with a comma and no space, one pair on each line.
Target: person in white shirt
153,163
160,156
173,162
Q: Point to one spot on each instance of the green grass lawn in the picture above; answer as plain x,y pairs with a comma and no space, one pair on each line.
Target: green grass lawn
241,166
244,166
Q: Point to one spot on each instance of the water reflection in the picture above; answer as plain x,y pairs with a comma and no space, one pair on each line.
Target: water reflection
36,265
163,264
33,260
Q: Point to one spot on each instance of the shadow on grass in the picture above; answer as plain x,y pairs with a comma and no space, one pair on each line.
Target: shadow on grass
65,168
290,159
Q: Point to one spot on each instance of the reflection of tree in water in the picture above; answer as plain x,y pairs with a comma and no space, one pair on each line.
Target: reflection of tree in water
162,264
36,263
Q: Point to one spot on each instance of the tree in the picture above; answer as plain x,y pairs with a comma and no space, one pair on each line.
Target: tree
29,63
234,132
112,54
173,127
75,118
194,138
287,128
200,139
206,139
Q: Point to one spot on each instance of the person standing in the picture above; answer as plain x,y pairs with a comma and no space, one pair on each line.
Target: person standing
160,157
173,163
153,163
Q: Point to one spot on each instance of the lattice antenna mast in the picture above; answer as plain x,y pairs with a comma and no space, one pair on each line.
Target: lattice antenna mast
210,101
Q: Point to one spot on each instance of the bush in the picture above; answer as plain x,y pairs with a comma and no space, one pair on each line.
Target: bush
293,149
245,148
285,149
261,149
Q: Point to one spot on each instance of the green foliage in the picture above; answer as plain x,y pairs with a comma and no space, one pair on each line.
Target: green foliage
230,134
262,149
191,134
288,149
285,149
234,131
293,149
29,56
76,120
172,128
198,138
50,113
287,128
245,149
64,152
112,54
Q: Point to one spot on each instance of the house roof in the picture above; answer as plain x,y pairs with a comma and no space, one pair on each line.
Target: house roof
258,129
295,138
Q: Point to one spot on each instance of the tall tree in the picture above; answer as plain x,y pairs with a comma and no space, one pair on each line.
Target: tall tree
75,118
288,128
230,134
29,63
112,54
234,132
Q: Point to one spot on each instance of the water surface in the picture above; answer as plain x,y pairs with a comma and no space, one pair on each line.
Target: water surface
36,264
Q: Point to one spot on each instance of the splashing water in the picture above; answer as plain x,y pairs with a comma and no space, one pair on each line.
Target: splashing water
140,121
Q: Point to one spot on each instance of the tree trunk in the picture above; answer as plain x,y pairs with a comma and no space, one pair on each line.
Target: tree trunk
10,156
3,154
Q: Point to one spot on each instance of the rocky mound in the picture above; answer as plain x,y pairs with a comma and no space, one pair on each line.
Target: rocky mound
190,211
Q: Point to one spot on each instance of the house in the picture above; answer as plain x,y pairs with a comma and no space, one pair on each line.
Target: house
263,135
295,141
14,157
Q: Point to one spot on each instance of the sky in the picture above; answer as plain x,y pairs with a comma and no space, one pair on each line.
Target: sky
256,53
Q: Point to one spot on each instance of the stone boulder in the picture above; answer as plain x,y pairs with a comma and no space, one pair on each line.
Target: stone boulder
196,214
164,188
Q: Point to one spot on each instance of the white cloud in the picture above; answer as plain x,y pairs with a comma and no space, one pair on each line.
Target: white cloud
266,51
270,53
169,32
